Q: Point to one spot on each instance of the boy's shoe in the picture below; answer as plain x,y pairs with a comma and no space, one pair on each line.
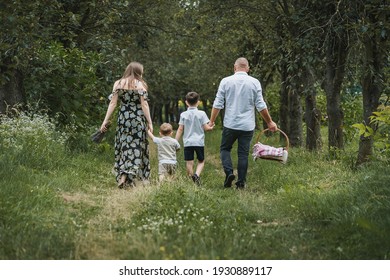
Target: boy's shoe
196,179
229,180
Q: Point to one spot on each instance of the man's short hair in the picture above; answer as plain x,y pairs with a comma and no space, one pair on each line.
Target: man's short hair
242,62
166,129
192,98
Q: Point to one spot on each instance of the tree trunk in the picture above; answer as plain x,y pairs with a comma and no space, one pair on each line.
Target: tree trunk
290,105
264,83
205,107
152,111
312,115
166,112
372,88
336,56
261,120
176,114
283,109
295,116
12,92
158,113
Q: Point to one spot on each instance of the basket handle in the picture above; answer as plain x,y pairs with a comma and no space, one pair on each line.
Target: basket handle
281,131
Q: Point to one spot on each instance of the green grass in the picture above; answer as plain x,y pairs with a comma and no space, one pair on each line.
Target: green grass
67,206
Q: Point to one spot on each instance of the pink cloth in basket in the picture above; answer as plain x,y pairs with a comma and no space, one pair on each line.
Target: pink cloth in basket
260,150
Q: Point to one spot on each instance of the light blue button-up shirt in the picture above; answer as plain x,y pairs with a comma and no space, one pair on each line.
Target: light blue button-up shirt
240,94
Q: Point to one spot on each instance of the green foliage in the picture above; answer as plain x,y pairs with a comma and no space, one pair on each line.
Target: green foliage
68,86
352,108
34,164
378,129
381,121
364,130
31,150
32,141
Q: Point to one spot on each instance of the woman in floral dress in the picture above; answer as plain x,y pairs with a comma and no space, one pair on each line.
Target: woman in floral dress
131,143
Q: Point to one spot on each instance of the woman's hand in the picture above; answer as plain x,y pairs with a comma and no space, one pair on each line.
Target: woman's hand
104,126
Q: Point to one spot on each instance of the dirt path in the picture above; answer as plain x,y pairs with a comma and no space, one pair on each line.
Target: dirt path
97,238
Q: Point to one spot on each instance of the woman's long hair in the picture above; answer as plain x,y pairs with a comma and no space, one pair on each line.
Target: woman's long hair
134,73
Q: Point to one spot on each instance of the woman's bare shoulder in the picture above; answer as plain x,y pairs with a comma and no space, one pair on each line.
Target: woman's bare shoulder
139,85
118,84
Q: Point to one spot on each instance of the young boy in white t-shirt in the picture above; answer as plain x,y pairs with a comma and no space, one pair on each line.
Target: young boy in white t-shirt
192,124
167,146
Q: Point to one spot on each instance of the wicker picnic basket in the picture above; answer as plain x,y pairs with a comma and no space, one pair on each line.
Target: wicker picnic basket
263,151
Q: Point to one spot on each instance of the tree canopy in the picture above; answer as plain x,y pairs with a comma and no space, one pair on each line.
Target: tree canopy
63,57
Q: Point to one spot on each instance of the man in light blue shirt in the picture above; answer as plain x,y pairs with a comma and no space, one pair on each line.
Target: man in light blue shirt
240,95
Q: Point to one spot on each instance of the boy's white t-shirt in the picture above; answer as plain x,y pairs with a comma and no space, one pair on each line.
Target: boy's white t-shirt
193,121
167,147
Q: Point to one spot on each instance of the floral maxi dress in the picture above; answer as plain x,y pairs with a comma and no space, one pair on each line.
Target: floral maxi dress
131,143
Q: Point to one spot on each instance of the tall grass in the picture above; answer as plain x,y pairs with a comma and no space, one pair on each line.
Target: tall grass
59,204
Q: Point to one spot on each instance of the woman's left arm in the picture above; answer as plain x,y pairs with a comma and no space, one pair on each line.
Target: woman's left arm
146,110
110,110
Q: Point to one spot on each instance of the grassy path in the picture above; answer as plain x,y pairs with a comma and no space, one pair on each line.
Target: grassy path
311,208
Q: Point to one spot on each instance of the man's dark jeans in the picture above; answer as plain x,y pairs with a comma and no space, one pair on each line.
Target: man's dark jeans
229,137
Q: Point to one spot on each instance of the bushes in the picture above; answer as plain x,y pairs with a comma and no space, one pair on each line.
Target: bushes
379,130
36,171
31,149
66,82
381,120
31,140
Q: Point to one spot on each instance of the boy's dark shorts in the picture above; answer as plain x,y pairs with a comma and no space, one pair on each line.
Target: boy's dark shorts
189,153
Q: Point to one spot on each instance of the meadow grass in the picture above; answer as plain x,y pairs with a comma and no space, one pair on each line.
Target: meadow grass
59,204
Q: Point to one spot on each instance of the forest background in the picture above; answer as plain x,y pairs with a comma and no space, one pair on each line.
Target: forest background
324,67
320,62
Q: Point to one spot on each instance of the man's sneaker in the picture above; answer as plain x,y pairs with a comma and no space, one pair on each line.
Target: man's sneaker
196,179
240,186
229,180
